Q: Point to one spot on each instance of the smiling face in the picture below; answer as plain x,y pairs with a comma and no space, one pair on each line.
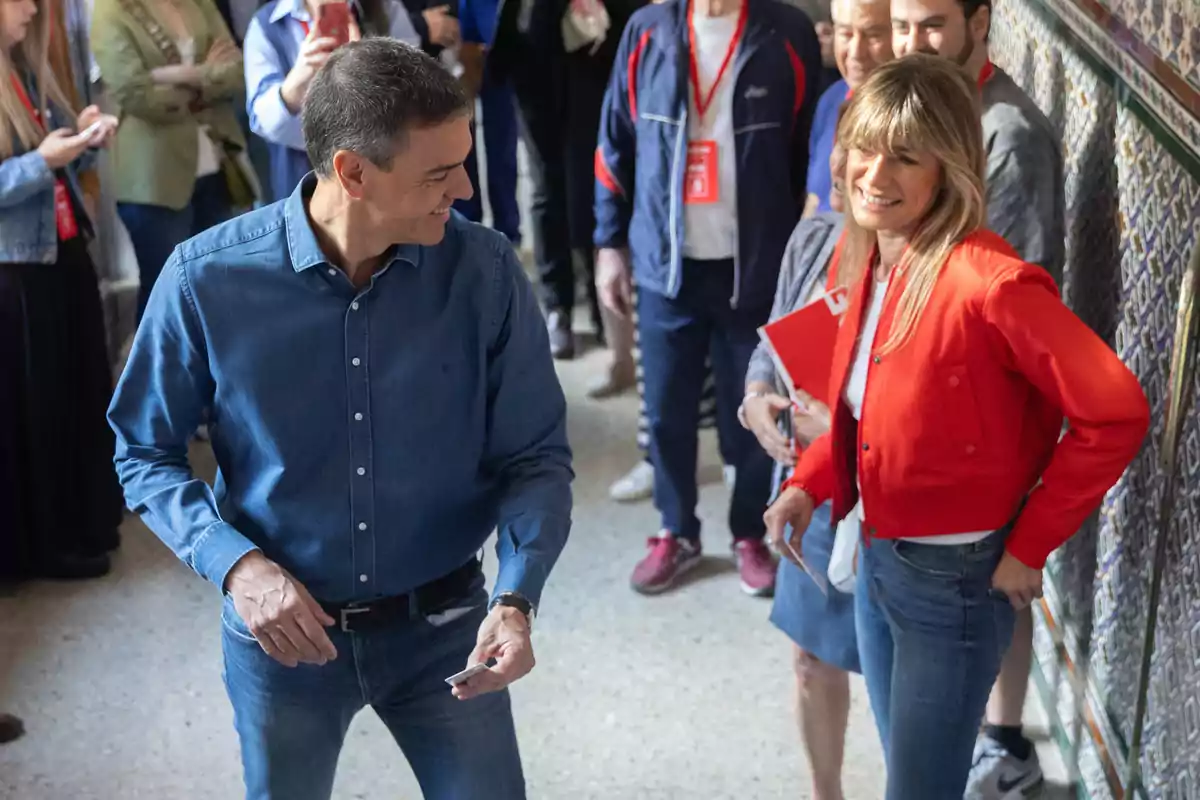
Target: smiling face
16,20
862,37
892,192
411,198
939,27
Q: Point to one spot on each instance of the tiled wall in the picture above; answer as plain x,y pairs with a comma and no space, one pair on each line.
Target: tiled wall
1121,81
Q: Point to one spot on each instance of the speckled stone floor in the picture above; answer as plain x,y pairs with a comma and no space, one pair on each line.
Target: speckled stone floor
687,695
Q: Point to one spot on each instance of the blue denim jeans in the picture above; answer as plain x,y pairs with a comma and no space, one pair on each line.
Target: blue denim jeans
291,722
679,338
155,231
931,634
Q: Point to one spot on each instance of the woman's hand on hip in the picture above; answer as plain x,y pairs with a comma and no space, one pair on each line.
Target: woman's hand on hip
1020,583
793,507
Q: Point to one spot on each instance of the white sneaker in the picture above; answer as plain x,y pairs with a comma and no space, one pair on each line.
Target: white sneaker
997,774
635,485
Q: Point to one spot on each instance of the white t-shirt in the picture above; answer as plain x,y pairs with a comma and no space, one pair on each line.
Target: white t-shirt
856,386
710,229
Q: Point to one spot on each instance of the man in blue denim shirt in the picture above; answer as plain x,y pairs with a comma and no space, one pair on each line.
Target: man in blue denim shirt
382,397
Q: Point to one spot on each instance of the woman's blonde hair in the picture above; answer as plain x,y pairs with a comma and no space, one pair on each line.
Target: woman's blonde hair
917,104
30,56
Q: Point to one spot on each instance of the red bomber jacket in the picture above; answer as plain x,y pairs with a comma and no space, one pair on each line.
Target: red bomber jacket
962,423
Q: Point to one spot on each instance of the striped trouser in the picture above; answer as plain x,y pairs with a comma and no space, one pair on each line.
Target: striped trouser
708,398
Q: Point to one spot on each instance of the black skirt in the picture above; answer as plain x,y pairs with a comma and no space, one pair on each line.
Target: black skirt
59,495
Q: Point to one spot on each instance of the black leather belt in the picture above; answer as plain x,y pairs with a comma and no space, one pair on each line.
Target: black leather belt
429,597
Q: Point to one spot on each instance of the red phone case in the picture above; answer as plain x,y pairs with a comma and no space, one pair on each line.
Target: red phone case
333,21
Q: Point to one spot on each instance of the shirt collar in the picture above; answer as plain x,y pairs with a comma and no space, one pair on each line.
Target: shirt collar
304,250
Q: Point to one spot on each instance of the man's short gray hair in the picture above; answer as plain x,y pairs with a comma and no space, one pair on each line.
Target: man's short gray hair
369,94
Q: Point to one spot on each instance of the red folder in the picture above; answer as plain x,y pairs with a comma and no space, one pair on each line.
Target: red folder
801,343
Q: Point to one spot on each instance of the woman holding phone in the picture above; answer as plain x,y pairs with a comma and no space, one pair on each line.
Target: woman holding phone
286,43
175,74
60,503
954,369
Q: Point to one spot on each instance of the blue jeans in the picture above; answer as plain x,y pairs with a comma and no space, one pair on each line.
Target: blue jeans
931,634
500,142
678,337
154,231
292,722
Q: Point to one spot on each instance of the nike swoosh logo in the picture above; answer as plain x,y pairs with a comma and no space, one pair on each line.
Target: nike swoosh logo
1007,786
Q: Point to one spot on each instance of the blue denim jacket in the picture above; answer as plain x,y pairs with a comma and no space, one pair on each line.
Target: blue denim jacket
369,440
28,231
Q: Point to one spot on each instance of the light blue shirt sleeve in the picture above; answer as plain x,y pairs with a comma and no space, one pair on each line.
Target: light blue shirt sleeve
270,117
400,25
527,440
157,406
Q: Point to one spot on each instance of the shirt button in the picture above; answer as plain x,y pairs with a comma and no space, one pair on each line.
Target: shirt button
358,416
332,271
361,471
362,526
866,447
954,381
875,359
355,361
354,306
362,578
970,449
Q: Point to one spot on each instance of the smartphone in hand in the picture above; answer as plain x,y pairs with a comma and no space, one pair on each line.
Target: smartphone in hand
333,22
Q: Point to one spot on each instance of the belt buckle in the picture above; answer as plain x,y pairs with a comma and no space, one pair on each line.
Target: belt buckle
346,613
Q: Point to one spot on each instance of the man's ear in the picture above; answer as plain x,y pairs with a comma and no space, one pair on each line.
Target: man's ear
981,23
349,168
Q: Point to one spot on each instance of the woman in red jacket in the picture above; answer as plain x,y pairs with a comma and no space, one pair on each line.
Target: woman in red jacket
954,370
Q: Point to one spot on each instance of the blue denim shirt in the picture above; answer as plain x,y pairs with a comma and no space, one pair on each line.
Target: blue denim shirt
368,441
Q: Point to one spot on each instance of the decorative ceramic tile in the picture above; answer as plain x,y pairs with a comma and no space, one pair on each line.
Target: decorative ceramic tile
1159,206
1171,28
1156,83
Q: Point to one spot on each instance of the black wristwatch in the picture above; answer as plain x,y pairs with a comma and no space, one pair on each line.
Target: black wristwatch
514,600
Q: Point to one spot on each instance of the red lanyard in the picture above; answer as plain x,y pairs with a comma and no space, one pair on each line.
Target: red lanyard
25,101
304,26
703,102
986,73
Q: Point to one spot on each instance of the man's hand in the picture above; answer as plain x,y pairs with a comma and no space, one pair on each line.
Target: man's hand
1020,583
287,622
794,507
504,636
762,419
443,27
314,52
614,281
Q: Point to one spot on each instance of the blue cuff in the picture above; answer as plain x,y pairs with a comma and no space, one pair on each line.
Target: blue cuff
217,550
519,575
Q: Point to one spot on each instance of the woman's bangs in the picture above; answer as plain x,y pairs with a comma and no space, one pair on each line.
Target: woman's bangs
875,125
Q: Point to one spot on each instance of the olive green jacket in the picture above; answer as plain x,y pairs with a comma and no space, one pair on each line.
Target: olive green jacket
155,153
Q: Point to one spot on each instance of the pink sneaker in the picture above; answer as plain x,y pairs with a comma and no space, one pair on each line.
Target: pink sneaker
756,567
669,557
